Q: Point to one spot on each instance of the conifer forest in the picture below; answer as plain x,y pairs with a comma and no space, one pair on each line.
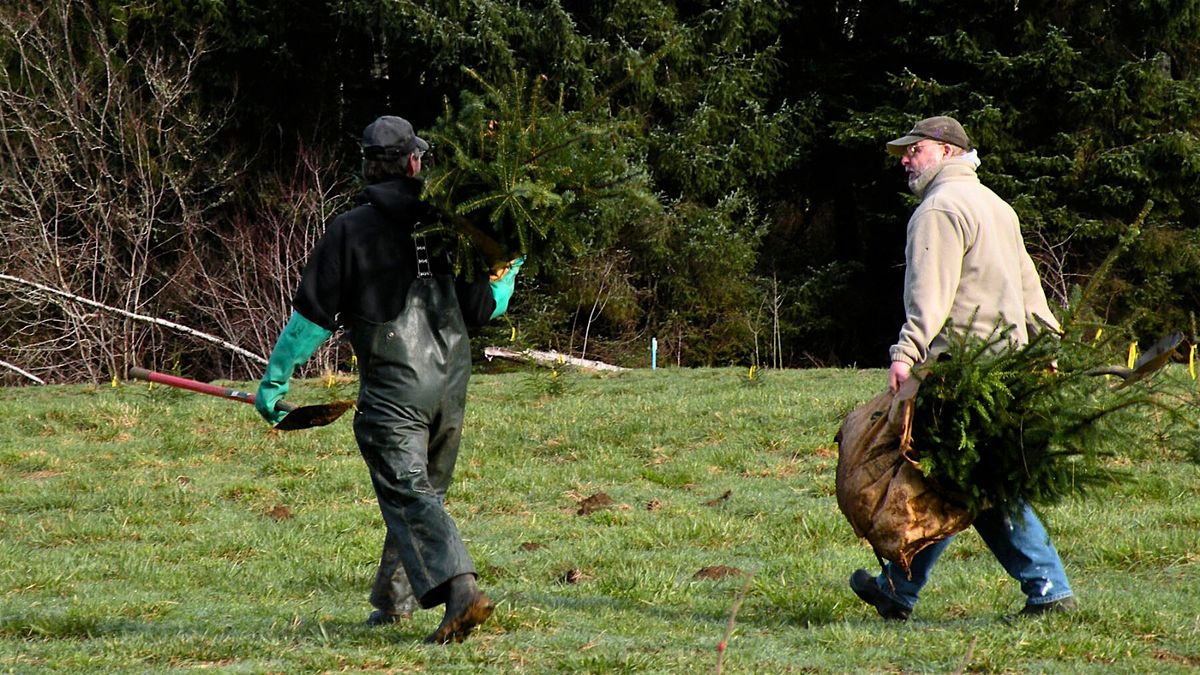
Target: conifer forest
710,175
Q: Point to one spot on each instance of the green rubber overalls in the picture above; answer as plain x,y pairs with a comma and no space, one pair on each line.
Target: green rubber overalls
412,393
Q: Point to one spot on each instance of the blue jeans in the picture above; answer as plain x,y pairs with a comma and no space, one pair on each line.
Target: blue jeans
1020,544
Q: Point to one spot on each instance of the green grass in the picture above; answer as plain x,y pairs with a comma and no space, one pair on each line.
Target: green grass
148,529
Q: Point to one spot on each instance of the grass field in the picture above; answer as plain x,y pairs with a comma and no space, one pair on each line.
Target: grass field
145,529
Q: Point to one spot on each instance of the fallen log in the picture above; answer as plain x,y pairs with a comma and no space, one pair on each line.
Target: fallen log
550,358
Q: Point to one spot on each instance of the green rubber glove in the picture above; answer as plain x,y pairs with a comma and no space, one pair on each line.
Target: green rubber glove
299,339
502,287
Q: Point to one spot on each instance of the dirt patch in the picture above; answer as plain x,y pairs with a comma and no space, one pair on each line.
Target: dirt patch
720,500
717,572
279,512
826,451
1171,657
573,575
42,475
594,503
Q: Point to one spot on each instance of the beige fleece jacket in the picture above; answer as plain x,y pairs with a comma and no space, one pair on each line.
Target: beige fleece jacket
966,263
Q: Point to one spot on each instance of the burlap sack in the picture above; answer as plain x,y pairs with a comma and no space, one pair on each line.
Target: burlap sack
880,488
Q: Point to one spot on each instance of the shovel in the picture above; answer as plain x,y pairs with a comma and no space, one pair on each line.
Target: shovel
1147,364
298,417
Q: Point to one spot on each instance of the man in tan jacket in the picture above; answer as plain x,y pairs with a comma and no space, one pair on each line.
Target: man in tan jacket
966,270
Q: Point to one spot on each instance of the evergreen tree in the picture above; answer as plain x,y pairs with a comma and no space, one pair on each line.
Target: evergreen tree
1084,113
760,128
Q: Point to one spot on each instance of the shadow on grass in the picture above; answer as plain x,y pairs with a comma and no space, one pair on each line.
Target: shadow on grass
603,609
257,628
71,625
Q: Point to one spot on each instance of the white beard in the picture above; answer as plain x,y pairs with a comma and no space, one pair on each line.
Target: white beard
918,182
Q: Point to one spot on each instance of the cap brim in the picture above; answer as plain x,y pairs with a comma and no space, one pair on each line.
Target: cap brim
897,146
420,143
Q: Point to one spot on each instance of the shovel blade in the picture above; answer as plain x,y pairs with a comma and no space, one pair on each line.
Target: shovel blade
1154,358
309,416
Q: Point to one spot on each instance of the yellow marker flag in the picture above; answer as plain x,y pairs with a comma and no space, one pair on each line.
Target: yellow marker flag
1133,353
1192,362
513,337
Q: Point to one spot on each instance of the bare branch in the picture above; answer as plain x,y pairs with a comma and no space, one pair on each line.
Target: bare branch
723,645
28,375
137,317
104,165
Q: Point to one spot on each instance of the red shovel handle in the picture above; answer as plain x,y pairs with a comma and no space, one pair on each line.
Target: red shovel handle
201,387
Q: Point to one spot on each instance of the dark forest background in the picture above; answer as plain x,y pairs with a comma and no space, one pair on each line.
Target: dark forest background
166,164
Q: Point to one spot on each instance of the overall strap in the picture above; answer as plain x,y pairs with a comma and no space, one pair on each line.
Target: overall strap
424,271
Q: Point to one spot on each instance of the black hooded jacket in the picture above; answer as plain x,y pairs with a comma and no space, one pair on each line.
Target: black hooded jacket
366,260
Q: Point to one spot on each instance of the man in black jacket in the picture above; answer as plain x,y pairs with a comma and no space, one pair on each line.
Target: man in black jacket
406,315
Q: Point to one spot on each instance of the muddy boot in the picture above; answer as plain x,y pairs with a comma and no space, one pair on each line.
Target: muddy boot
393,596
382,618
391,593
466,607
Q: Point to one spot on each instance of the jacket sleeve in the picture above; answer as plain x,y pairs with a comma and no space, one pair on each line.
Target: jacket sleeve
475,300
933,268
1037,308
318,298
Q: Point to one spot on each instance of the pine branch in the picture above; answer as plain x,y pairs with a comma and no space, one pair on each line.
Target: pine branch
518,172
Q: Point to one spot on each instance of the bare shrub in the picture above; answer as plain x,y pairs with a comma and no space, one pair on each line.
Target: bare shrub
104,164
243,279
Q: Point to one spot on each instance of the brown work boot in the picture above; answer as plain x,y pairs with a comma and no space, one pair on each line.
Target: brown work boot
466,607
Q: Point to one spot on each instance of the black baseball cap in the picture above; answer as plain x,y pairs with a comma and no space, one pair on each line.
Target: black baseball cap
391,135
